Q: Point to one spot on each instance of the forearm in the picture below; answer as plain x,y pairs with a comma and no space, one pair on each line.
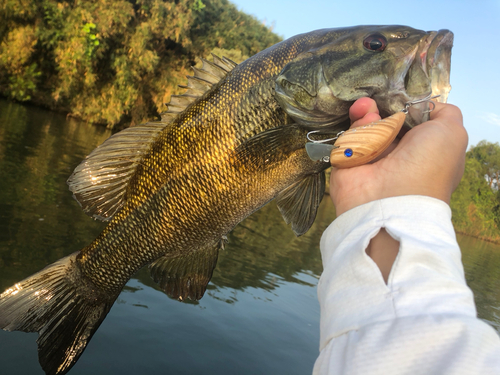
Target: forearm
367,323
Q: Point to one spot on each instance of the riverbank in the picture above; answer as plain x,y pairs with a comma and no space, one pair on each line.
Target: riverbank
495,239
116,62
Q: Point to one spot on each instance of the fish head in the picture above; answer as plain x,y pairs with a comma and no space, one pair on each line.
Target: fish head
391,64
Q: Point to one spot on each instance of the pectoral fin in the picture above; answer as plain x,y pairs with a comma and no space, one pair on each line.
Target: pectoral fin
185,276
270,147
299,202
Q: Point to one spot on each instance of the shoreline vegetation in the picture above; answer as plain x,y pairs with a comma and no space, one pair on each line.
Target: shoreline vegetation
494,240
475,205
117,63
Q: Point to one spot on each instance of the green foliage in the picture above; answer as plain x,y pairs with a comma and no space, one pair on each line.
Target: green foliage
476,202
92,41
198,5
18,72
488,155
21,85
115,61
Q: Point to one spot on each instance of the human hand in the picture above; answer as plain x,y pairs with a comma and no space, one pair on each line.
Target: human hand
429,160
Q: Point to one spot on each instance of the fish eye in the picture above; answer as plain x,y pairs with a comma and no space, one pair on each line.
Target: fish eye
375,42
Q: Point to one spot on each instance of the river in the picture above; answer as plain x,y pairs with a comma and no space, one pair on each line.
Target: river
260,314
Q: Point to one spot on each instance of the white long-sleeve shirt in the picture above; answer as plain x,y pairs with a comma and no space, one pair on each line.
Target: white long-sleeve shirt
423,321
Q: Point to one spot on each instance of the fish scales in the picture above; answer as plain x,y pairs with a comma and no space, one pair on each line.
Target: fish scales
178,220
172,191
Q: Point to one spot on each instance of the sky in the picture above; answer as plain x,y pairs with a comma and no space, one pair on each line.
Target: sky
475,62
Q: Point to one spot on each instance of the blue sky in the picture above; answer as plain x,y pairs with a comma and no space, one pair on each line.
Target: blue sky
475,67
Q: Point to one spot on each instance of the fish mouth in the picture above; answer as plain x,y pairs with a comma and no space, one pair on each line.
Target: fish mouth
439,64
429,74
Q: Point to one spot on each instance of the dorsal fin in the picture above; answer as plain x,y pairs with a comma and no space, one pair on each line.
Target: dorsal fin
203,80
224,63
99,182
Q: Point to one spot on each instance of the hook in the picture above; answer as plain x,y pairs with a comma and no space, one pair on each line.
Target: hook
427,99
322,140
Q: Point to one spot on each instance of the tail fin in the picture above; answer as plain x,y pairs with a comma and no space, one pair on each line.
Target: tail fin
58,304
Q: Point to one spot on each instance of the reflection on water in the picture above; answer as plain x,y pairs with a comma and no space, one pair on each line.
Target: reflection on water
39,220
482,270
260,314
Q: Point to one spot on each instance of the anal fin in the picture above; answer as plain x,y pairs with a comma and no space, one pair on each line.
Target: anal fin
299,202
185,276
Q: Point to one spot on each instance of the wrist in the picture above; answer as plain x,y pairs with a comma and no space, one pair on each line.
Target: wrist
365,186
351,202
349,190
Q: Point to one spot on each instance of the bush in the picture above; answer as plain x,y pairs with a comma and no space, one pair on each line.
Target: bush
115,61
476,202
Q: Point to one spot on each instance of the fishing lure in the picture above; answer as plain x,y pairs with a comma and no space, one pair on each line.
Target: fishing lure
363,144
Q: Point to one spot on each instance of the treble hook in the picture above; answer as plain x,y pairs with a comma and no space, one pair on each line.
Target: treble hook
322,140
427,99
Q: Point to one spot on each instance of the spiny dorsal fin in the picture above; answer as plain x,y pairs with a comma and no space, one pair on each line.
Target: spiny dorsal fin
198,84
186,276
100,181
299,202
224,63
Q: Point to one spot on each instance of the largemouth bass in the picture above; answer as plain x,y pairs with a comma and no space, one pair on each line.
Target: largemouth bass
172,190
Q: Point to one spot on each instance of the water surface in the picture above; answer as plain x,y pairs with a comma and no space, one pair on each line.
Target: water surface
260,314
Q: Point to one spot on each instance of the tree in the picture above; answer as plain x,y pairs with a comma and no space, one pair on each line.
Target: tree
488,155
476,202
115,61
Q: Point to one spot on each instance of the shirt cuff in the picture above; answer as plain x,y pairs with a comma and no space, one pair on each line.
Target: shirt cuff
427,277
